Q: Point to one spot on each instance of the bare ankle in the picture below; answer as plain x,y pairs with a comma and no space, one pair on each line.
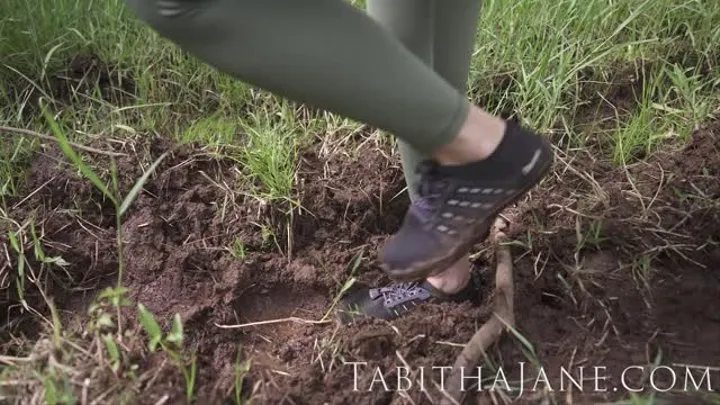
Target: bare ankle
478,138
454,279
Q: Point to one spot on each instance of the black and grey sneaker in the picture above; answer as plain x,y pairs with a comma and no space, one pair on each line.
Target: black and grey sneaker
456,205
395,300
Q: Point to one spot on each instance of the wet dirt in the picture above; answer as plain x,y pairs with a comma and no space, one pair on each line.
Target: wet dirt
643,286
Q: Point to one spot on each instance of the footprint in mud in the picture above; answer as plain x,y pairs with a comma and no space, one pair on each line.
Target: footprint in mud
260,303
373,344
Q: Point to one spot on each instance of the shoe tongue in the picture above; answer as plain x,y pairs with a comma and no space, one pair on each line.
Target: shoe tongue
422,208
423,205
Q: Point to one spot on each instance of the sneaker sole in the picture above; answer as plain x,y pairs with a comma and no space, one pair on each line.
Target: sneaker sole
438,265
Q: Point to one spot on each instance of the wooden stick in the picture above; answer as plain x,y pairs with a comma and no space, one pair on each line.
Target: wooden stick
503,317
281,320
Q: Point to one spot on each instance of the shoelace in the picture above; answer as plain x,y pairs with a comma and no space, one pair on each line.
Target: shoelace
429,189
399,292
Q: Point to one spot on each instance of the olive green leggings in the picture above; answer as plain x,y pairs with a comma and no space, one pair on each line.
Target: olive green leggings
439,32
408,79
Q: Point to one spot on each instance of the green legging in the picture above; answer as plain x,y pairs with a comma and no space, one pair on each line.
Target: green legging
408,79
439,32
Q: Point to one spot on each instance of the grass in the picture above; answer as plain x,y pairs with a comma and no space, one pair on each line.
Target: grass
554,60
620,76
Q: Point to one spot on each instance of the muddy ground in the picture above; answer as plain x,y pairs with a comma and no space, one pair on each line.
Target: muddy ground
614,268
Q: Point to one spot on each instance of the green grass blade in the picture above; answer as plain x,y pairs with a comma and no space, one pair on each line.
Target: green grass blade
342,292
151,326
75,158
138,185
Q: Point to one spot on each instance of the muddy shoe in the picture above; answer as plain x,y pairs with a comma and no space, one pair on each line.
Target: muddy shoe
456,205
396,300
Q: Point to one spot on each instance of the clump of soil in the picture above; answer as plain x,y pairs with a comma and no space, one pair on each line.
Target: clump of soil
644,283
626,263
665,207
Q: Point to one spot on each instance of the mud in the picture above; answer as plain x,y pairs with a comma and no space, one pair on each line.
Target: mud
644,286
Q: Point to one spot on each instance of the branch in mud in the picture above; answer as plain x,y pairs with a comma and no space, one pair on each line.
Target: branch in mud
503,317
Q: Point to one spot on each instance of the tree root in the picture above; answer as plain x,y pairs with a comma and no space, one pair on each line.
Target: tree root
503,317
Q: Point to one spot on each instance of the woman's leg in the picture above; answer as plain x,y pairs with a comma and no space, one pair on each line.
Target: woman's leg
328,54
325,53
411,253
413,23
442,35
455,37
455,33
